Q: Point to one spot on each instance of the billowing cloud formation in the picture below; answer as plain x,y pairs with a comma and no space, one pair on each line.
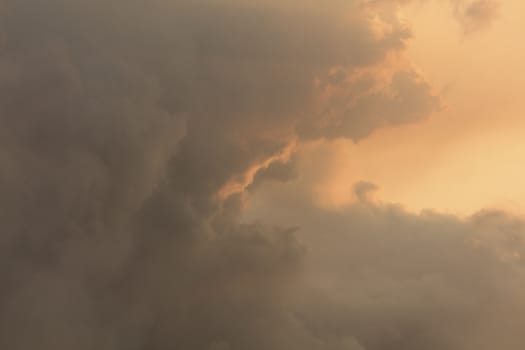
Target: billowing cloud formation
377,277
122,121
400,281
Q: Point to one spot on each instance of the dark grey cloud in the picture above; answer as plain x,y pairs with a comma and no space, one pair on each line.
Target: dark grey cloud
120,123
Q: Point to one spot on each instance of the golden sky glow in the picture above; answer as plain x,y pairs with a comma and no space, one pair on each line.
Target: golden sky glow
468,156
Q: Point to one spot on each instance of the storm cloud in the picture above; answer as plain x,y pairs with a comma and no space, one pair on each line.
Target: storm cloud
121,123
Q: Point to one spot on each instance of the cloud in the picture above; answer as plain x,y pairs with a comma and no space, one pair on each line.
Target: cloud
120,123
472,15
390,279
476,15
278,170
406,98
363,190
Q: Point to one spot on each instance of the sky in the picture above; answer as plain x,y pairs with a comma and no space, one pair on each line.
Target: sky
261,174
466,156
